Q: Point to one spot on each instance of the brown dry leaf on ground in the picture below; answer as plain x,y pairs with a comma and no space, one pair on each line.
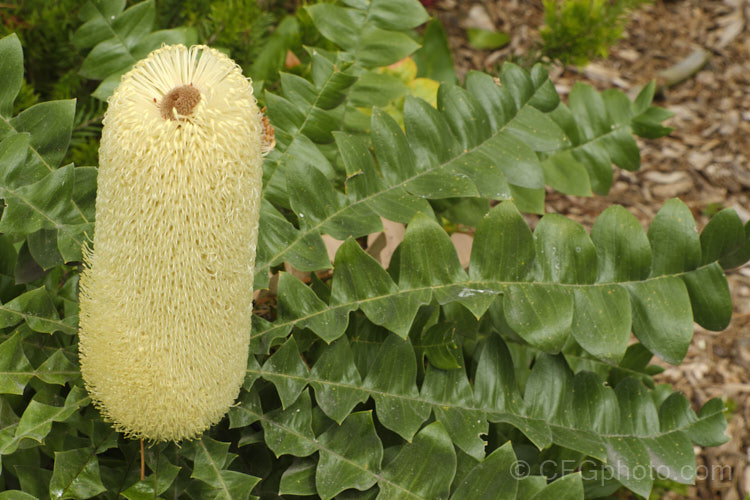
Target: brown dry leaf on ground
704,162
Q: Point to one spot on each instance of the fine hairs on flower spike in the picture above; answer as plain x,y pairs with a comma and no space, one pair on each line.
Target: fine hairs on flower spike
166,294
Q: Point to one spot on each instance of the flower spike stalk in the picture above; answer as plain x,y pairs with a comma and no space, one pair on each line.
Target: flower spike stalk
166,293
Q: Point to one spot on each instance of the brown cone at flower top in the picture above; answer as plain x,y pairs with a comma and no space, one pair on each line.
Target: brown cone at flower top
166,295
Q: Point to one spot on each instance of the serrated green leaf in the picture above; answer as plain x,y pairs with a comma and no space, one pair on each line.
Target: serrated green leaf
13,152
289,432
434,60
336,366
428,258
98,15
36,309
76,474
287,361
211,458
491,479
14,366
569,487
299,478
58,369
113,54
361,279
423,468
450,394
297,300
279,241
164,474
438,345
348,453
393,373
50,125
503,248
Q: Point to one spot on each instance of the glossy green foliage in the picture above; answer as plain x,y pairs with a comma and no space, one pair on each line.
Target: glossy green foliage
422,380
118,38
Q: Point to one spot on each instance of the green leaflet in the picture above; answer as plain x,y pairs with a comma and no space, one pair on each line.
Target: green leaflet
375,32
119,38
356,440
622,426
211,462
497,142
76,474
595,287
51,206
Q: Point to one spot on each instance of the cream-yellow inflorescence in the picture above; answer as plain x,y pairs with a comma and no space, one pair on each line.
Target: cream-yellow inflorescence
166,294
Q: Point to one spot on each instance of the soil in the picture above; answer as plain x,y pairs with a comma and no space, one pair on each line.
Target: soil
704,162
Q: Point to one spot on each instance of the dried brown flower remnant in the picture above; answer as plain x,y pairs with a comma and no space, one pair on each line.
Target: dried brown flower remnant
181,99
166,295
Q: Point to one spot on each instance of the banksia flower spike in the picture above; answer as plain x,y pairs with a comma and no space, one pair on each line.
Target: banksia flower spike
166,294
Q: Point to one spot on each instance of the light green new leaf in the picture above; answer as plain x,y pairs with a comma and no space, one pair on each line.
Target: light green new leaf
76,475
349,456
423,468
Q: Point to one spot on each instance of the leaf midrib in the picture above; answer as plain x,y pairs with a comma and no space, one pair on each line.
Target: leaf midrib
402,185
